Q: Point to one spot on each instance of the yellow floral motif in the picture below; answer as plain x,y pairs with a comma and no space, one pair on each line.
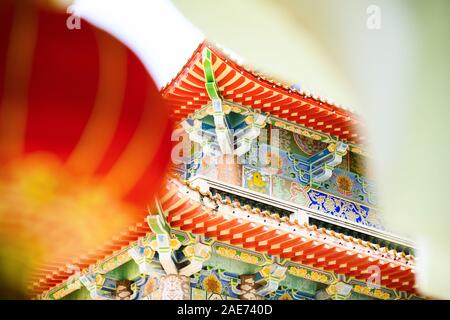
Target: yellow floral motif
99,280
344,184
279,124
249,120
265,272
174,243
311,275
381,294
245,257
212,284
189,251
67,290
285,296
114,262
361,289
315,276
226,109
377,293
331,147
298,272
331,290
257,182
226,252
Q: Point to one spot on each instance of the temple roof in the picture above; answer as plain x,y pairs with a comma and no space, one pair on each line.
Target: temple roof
189,209
52,274
186,93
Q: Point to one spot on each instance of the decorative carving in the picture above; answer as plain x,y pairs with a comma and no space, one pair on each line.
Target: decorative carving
174,287
240,255
123,290
322,167
270,277
248,288
196,254
343,209
255,122
99,286
309,274
336,291
212,284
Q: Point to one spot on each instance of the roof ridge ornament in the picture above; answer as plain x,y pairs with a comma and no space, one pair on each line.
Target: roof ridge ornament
210,81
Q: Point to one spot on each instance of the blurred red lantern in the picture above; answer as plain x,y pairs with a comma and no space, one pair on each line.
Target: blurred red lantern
84,132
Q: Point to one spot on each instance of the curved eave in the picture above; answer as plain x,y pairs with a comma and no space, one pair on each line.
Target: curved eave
186,93
188,209
50,275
